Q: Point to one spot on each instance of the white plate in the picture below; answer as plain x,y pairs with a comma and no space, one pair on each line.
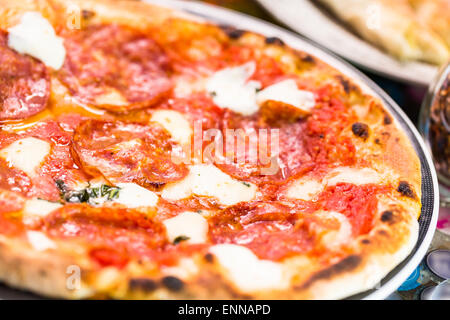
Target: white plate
313,22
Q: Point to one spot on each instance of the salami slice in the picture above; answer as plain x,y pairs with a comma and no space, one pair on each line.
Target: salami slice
115,68
24,84
10,201
127,152
14,180
255,225
114,234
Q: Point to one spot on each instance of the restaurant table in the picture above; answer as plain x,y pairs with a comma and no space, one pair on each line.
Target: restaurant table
409,98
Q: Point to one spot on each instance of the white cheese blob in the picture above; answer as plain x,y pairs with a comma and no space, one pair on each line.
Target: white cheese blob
304,189
356,176
39,208
35,36
286,91
40,241
26,154
188,224
231,89
132,195
335,238
175,123
248,273
208,180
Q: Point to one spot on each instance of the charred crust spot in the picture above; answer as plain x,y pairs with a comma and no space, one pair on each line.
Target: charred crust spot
157,185
387,119
172,283
344,83
209,257
142,284
236,34
365,241
232,32
307,58
405,190
345,265
274,40
87,14
387,216
383,233
361,130
377,141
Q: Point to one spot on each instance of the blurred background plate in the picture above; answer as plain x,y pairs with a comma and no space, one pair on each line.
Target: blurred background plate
315,23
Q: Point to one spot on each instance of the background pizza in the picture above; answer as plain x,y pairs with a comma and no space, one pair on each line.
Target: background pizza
101,169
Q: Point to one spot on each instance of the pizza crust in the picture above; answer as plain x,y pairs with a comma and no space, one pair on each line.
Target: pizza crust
374,254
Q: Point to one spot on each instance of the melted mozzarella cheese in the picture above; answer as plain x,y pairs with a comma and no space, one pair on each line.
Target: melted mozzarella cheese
248,273
132,195
334,238
304,189
39,208
287,92
188,224
26,154
207,180
35,36
354,176
39,241
175,123
231,89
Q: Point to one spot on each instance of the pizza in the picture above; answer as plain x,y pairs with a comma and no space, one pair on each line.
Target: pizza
407,29
149,154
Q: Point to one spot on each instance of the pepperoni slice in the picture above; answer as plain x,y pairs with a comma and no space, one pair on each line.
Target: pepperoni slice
57,166
276,155
127,152
24,84
358,203
268,229
115,235
115,68
10,201
112,233
200,108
